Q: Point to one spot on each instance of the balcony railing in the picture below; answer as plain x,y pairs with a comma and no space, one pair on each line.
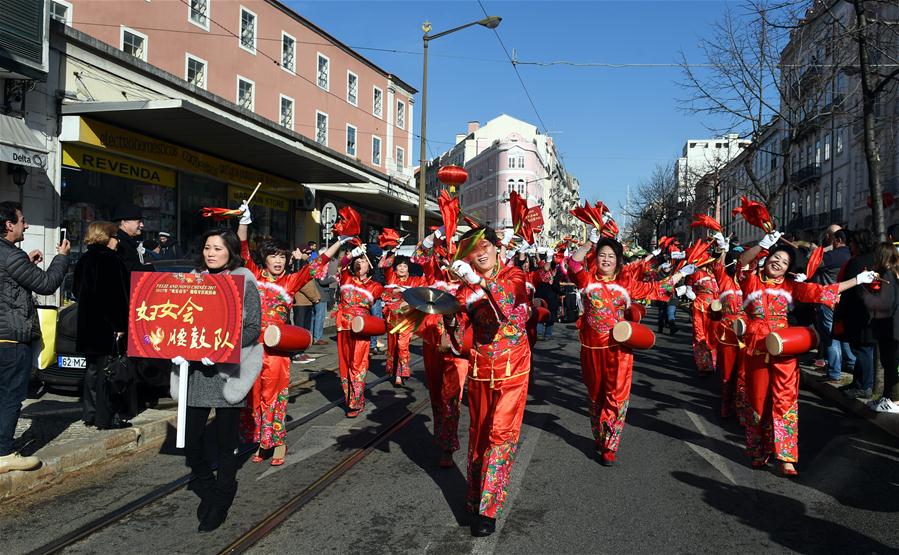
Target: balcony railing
806,174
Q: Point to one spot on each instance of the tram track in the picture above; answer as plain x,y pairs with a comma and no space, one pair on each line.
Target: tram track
119,514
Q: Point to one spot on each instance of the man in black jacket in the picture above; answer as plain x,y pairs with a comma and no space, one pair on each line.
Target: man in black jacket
20,277
838,353
131,224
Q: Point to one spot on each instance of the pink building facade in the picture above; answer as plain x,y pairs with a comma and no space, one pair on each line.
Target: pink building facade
509,164
268,59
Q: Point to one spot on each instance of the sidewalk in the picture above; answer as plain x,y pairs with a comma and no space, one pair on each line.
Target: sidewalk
811,378
50,427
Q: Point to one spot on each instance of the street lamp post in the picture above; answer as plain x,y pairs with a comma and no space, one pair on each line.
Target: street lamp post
491,22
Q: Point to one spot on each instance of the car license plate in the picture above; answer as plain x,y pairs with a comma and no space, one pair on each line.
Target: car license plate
72,362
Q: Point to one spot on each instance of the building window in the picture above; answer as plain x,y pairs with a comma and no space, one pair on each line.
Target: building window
246,97
511,163
288,52
817,202
61,11
134,43
198,13
195,71
352,88
377,104
286,111
818,153
838,196
521,162
350,140
839,145
522,188
247,30
376,150
321,127
400,158
324,68
400,114
827,146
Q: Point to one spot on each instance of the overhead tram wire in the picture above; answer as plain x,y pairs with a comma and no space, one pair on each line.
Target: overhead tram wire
517,73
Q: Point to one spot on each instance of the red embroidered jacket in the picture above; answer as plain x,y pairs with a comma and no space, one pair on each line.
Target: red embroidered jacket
393,295
356,298
705,287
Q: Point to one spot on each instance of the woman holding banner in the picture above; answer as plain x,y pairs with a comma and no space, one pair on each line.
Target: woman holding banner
222,387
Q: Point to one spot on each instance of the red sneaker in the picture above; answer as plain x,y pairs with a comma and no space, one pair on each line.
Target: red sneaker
607,458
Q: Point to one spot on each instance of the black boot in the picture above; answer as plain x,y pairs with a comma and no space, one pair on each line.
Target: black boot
483,526
218,512
204,487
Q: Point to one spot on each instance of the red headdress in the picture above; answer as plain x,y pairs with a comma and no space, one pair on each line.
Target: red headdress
755,214
697,253
704,220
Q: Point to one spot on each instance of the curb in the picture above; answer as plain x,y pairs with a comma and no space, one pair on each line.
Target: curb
885,421
59,460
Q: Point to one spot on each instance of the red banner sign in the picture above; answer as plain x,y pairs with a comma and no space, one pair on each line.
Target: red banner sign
188,315
534,216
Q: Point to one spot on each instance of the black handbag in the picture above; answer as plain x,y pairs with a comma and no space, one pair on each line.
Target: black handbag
118,369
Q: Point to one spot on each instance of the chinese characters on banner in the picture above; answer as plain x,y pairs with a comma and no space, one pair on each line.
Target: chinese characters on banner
188,315
534,217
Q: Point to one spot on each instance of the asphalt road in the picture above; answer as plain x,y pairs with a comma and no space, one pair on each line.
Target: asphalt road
683,483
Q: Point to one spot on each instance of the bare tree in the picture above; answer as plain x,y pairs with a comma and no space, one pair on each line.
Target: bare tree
744,84
654,206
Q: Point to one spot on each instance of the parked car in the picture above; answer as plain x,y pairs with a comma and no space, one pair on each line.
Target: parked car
67,371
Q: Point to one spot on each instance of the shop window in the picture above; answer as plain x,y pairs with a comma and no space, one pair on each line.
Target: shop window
247,30
195,71
61,11
134,43
350,140
400,158
246,94
377,107
288,52
286,111
321,128
198,13
400,114
376,150
352,88
324,71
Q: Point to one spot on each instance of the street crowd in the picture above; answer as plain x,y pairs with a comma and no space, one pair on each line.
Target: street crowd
752,309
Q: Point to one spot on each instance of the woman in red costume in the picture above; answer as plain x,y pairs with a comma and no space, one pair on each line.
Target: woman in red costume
263,418
607,366
445,371
358,291
772,382
495,305
728,344
395,308
704,291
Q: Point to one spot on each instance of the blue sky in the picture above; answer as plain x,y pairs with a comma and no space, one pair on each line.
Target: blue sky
611,125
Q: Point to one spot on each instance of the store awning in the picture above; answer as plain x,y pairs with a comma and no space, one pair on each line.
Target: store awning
182,122
19,144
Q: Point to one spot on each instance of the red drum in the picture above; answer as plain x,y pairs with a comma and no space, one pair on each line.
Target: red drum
368,325
540,303
635,312
542,314
288,339
791,341
463,350
715,310
739,326
633,335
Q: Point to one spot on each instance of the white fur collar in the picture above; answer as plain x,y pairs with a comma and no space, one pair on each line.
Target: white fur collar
361,290
474,297
756,295
611,286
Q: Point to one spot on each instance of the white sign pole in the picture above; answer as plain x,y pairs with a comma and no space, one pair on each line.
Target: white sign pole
182,405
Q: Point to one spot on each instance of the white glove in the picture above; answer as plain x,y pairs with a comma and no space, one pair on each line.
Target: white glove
678,255
344,238
690,293
440,232
594,235
867,277
358,251
141,249
768,240
206,361
508,235
245,217
680,290
531,249
799,278
687,270
510,254
656,252
465,271
606,216
665,266
721,241
178,361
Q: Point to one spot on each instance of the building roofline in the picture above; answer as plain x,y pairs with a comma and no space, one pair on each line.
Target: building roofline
293,14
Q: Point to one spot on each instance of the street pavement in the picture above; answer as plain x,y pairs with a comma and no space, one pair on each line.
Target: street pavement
683,483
